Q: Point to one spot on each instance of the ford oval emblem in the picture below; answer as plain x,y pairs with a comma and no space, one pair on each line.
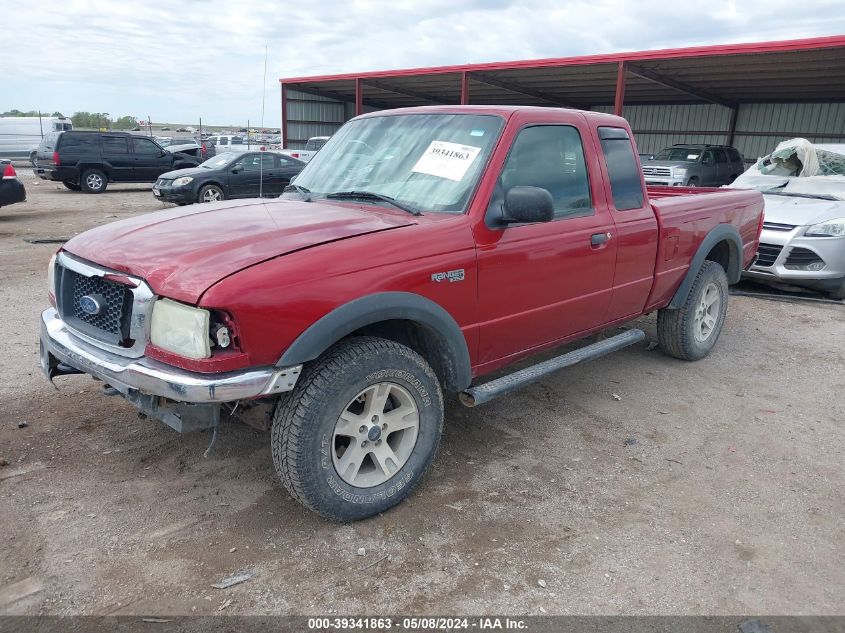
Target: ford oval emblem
90,304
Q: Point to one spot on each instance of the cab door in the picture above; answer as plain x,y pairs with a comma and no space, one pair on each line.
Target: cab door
151,161
539,283
251,174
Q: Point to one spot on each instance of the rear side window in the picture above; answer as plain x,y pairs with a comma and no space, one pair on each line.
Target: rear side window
734,155
622,168
79,143
720,156
115,145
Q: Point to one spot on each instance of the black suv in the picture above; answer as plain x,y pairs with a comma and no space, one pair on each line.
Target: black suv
88,161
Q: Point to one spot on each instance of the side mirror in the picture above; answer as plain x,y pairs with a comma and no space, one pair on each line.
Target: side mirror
236,169
527,205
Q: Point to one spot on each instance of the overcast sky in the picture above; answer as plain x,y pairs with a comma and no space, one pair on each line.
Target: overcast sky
177,61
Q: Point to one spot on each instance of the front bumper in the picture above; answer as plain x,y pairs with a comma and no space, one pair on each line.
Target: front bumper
185,195
783,247
142,376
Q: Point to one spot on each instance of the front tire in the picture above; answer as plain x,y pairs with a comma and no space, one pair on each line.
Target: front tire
691,332
360,429
210,193
93,181
693,182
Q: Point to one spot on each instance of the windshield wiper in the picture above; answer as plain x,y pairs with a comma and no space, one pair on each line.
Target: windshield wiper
302,191
817,196
371,195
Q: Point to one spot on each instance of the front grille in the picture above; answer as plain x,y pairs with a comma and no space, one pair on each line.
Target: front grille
776,226
111,323
767,254
657,171
801,257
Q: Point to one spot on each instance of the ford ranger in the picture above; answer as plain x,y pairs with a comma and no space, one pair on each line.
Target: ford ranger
420,250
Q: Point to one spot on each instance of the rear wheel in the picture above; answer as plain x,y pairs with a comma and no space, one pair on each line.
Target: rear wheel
33,159
690,332
211,193
71,185
93,181
358,432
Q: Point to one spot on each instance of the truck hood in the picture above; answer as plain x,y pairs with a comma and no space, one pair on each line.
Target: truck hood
666,163
801,211
183,252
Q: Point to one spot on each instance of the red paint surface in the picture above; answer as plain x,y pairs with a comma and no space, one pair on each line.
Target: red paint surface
278,266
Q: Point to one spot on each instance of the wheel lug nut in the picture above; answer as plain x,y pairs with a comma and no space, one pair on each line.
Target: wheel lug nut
362,428
384,426
375,418
363,444
378,442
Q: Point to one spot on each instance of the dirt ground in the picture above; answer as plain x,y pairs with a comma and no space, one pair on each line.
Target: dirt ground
713,487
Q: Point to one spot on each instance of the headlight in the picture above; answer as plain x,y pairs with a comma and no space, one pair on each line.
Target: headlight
181,182
831,228
679,172
180,329
51,275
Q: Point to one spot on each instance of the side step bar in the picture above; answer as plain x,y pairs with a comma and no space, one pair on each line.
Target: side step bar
506,384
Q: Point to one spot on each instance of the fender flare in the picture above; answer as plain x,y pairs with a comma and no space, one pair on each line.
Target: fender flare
386,306
103,166
720,233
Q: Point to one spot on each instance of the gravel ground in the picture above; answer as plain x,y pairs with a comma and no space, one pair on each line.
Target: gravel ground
701,488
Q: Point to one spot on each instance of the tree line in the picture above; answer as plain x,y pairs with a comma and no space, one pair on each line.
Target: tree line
94,120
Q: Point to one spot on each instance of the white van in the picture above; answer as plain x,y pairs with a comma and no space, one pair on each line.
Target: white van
21,135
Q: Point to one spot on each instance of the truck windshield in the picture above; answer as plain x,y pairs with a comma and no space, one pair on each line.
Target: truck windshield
682,154
430,162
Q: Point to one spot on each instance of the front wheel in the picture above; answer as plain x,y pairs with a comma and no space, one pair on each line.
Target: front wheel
693,182
358,432
211,193
690,332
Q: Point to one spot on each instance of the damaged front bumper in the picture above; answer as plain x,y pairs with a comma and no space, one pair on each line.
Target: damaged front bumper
182,399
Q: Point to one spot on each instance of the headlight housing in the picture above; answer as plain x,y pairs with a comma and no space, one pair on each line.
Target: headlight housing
829,228
51,275
679,172
180,329
182,181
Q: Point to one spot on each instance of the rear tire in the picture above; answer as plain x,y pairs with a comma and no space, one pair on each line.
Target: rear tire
340,444
210,193
33,159
93,181
691,332
71,185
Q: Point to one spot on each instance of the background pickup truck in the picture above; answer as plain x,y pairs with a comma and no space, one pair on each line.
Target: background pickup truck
420,250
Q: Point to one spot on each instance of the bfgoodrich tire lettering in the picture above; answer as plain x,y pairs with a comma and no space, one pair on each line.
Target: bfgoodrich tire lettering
690,332
303,436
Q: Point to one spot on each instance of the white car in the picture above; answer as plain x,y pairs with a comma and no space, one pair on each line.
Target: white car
803,238
312,146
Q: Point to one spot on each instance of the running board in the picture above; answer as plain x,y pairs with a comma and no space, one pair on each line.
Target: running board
506,384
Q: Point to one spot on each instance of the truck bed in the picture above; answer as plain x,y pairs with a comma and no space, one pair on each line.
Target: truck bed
684,216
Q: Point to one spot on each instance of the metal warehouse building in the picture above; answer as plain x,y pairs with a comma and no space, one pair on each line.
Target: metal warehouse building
751,96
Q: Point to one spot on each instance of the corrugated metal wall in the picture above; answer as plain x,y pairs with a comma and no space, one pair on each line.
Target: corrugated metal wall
310,115
759,126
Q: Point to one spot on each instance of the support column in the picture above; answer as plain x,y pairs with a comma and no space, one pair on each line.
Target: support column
464,88
359,97
284,129
732,125
619,102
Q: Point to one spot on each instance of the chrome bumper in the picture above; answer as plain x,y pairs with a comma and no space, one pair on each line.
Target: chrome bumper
146,376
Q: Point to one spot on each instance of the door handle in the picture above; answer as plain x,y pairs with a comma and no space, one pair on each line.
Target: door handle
597,239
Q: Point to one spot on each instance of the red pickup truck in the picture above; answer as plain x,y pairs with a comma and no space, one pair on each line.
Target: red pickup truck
420,250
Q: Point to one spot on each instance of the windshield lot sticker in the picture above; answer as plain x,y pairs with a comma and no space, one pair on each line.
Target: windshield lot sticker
446,160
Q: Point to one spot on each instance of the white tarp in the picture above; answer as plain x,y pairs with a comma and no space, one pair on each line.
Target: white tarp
798,166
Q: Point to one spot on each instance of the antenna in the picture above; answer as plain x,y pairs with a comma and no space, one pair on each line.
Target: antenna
261,156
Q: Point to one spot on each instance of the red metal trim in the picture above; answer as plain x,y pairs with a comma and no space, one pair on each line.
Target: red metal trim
284,130
359,97
619,101
609,58
464,88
